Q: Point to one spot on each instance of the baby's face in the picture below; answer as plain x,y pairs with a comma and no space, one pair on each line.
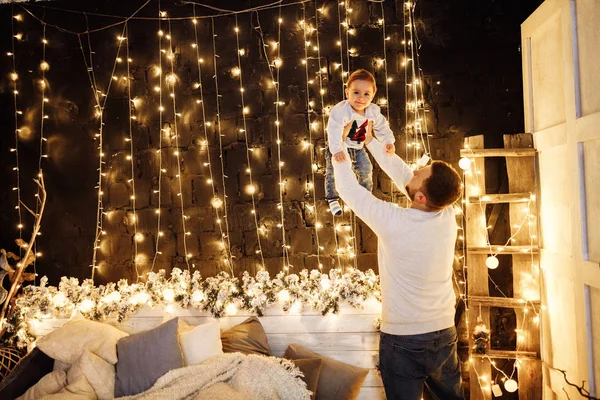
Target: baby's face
360,94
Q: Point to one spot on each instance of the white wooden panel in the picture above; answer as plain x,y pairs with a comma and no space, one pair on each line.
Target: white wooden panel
591,166
588,37
555,201
594,339
547,68
326,341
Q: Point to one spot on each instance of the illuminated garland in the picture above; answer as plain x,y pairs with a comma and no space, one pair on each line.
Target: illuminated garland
220,295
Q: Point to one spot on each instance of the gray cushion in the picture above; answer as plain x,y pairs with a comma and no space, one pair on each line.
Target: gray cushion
145,357
338,380
249,337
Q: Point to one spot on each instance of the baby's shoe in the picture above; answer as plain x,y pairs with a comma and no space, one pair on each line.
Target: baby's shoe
335,207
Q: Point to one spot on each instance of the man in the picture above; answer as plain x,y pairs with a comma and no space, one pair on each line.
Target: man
415,256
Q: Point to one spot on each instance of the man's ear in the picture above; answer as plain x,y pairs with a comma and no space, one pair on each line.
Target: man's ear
420,198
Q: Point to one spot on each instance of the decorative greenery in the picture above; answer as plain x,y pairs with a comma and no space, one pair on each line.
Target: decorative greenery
481,337
219,295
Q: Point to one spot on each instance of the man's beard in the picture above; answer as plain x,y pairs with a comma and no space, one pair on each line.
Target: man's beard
411,193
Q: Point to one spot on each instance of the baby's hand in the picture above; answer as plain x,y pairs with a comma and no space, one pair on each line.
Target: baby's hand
339,156
389,148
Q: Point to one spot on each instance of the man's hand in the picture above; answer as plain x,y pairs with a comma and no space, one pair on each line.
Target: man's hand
346,131
369,133
389,148
339,156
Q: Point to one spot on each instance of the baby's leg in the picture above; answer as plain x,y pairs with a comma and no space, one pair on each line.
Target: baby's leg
364,169
330,192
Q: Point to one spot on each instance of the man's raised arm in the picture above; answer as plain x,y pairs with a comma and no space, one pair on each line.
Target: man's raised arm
391,164
374,212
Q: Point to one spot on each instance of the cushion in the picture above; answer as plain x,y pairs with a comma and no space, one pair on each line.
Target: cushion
51,383
67,343
28,371
61,366
338,380
146,356
78,390
249,337
99,373
199,343
311,368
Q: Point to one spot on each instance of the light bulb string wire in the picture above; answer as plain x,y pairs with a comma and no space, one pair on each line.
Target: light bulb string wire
229,259
248,150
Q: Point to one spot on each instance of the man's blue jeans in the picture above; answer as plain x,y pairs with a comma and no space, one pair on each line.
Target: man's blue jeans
361,164
408,362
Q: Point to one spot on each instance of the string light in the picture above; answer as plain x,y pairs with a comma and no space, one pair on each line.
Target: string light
171,81
309,145
275,79
44,66
14,78
131,109
161,109
251,188
205,125
229,260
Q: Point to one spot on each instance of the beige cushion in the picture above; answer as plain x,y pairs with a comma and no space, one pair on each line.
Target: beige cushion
78,390
249,337
100,374
311,368
60,366
49,384
67,343
199,343
338,380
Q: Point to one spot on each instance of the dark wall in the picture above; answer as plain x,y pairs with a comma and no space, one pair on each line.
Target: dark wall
470,47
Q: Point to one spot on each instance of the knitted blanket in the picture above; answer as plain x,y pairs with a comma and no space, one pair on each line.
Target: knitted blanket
230,376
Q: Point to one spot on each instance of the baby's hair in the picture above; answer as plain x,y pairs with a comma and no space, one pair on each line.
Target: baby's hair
362,75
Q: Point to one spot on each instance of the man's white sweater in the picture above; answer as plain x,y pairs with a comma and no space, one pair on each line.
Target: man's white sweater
415,250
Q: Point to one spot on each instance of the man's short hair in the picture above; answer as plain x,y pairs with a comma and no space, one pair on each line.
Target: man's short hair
362,75
443,187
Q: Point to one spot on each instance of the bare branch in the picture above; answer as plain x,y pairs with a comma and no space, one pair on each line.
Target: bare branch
27,208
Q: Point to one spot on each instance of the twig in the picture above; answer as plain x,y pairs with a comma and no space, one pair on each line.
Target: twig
582,391
23,264
28,209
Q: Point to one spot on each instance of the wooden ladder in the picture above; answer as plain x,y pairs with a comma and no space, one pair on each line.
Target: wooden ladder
524,250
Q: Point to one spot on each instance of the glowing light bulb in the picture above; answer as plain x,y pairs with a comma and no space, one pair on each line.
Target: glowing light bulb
283,295
250,189
511,385
168,294
216,202
464,163
277,62
492,262
231,309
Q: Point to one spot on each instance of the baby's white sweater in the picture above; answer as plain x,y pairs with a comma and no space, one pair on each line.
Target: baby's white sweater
342,113
415,250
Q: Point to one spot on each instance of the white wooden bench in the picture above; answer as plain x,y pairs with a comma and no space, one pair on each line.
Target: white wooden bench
349,336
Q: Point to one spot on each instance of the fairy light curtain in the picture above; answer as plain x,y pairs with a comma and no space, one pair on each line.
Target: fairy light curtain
171,111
